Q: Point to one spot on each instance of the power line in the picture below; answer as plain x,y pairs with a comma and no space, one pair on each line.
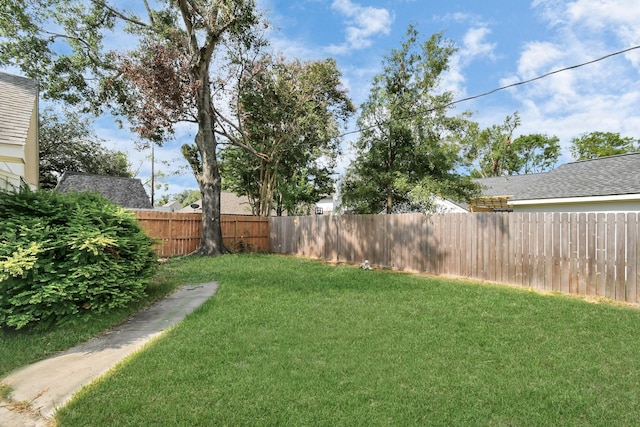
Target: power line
520,83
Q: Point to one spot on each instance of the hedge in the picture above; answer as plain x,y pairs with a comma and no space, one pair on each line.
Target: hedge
62,255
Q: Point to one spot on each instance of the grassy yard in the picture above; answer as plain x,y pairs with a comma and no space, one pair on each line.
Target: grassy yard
287,341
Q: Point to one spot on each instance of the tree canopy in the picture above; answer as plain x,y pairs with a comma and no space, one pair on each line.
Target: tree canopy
495,151
291,112
185,197
601,144
535,153
488,151
67,142
408,149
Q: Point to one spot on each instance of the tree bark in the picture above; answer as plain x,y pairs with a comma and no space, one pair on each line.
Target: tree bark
210,187
389,204
208,178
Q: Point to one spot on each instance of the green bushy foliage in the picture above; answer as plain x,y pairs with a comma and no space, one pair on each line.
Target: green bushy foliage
62,255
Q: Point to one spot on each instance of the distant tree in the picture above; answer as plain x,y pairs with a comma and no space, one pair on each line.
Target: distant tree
494,151
535,153
68,143
163,200
304,187
161,171
185,197
601,144
407,151
489,151
292,113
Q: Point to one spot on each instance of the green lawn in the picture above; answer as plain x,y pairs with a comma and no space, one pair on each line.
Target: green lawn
287,341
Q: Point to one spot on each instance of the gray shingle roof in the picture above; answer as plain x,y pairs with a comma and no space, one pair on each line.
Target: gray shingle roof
606,176
513,185
125,192
19,96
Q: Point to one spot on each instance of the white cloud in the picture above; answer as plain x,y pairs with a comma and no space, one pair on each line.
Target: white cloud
474,43
550,10
474,46
600,14
596,113
363,23
619,17
292,48
454,79
602,96
462,18
537,57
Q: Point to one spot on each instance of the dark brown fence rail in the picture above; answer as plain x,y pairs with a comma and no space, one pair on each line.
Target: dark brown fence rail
180,233
576,253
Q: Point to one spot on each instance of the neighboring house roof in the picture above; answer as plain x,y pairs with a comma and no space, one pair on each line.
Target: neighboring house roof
512,185
606,176
126,192
230,204
604,184
19,159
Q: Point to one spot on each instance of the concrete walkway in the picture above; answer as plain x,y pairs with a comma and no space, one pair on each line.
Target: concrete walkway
38,390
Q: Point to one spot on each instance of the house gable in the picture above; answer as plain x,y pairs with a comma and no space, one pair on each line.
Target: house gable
19,160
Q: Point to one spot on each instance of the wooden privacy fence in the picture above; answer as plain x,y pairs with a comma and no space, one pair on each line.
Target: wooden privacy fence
180,233
575,253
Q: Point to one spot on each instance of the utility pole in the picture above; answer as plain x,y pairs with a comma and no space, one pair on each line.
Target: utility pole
153,173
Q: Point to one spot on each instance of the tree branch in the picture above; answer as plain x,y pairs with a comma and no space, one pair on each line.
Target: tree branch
221,120
149,12
121,15
88,48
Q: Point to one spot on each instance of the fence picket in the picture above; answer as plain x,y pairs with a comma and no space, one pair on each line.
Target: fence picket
582,254
620,255
610,288
564,253
591,274
540,278
632,258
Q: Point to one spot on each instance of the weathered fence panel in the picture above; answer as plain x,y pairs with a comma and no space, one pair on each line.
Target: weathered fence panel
180,233
593,254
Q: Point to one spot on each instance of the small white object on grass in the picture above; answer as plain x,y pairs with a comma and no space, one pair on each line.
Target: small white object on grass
365,265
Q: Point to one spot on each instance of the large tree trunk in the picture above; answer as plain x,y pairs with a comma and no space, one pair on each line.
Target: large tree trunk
210,187
389,203
208,177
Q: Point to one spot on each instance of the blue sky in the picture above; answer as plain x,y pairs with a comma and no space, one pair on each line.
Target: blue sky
500,42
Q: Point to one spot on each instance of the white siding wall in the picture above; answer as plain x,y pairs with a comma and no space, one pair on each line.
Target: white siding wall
9,181
610,206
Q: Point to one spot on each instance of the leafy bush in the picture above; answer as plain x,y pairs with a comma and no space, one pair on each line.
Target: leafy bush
62,255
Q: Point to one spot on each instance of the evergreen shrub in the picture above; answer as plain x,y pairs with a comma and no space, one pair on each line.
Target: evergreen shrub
64,255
